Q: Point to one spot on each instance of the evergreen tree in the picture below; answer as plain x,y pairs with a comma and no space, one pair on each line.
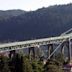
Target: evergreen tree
52,66
27,67
1,63
4,64
37,66
60,58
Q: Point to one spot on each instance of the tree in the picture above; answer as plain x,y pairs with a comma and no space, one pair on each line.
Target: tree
26,65
37,66
4,64
60,58
52,66
1,63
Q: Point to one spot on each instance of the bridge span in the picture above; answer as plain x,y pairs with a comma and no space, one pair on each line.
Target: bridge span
63,42
33,43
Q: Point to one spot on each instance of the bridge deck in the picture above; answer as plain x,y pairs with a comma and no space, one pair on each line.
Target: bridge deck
48,40
33,43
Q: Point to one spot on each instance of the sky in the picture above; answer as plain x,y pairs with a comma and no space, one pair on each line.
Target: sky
28,5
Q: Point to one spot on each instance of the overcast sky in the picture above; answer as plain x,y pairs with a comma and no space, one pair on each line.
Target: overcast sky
29,4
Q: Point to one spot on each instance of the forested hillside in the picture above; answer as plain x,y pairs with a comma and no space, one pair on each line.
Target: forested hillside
5,14
44,22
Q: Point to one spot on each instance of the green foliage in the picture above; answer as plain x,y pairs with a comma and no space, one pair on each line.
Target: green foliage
1,63
37,66
52,66
26,65
60,58
4,64
20,63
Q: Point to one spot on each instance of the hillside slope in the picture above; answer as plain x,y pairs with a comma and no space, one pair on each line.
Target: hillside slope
10,13
45,22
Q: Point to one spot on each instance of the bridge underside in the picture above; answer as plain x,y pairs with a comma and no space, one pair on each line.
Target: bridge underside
63,44
52,50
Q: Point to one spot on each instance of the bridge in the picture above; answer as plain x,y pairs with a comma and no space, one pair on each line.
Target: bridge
34,43
62,40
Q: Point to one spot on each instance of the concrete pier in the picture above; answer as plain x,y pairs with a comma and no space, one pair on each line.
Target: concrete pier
32,53
50,49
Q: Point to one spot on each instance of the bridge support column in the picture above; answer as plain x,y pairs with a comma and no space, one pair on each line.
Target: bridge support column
32,53
66,50
70,50
62,48
50,49
11,53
